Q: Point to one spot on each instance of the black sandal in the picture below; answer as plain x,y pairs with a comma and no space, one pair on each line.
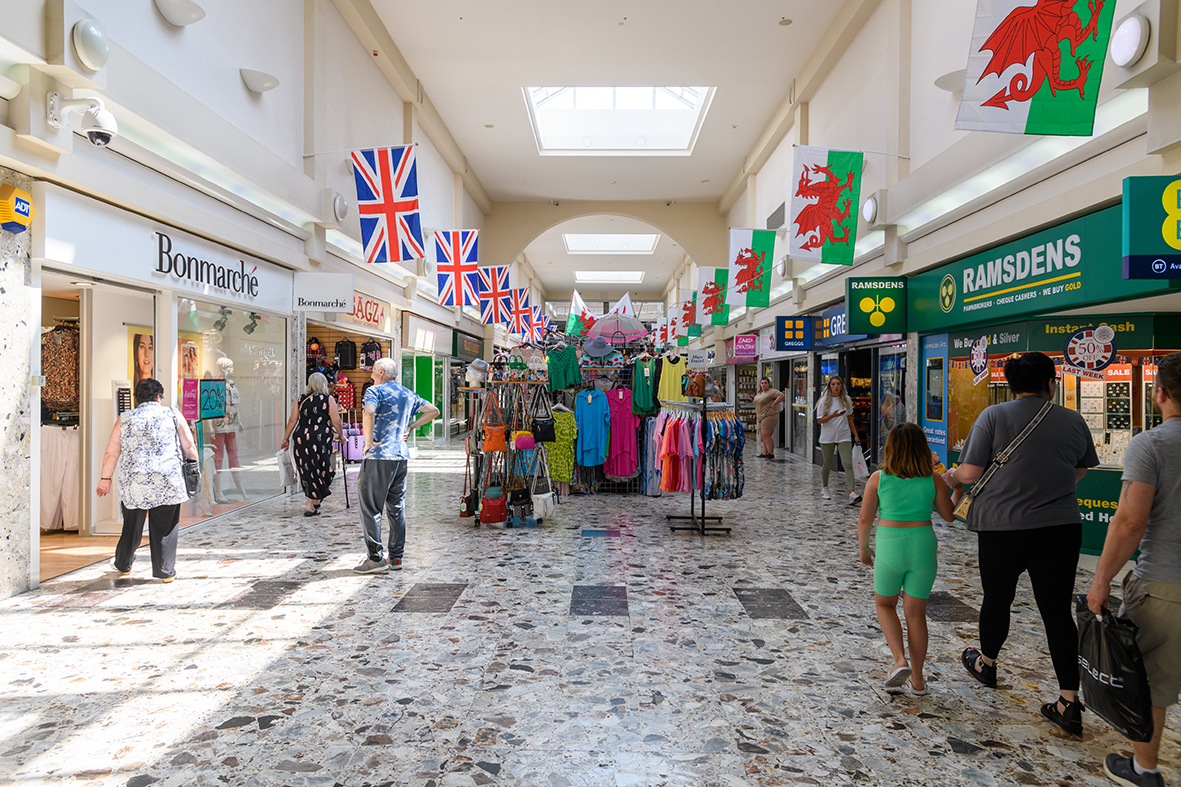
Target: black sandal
1070,720
986,674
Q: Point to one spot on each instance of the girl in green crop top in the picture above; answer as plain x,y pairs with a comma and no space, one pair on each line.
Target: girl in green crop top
904,489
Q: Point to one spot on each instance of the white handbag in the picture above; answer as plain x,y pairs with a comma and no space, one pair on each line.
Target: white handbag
545,503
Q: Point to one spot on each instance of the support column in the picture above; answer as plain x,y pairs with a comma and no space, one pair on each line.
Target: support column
167,355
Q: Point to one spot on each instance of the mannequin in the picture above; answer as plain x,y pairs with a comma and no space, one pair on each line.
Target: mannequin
225,433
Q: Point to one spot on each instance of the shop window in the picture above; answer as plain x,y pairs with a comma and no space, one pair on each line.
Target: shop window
235,362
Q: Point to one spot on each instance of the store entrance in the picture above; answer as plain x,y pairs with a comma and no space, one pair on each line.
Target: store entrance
800,412
96,340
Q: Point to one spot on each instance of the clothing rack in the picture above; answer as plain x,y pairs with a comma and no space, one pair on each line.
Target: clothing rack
700,523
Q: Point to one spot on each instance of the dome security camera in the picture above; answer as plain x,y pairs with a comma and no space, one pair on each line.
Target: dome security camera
98,124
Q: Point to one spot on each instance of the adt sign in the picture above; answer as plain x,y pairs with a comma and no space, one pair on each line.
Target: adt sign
16,209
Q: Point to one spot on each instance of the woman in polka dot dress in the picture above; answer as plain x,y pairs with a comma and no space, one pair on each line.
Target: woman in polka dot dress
313,425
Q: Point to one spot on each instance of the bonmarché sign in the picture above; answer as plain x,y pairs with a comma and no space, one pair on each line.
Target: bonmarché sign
235,279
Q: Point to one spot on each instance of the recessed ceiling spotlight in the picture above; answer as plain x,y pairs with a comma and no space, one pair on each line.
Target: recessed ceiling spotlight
489,125
82,283
784,22
641,142
705,181
733,126
587,142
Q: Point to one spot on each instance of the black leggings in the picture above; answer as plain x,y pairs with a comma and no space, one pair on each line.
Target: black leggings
1050,555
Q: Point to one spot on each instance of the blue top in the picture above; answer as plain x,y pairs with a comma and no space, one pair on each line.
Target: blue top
592,415
395,406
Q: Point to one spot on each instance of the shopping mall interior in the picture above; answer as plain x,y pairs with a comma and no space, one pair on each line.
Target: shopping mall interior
635,243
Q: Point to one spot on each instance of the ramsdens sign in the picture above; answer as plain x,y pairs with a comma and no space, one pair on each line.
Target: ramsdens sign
1074,263
198,271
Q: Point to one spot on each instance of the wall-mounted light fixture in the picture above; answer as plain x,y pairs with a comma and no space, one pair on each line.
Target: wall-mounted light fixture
220,323
250,326
1129,40
258,81
869,210
180,12
91,44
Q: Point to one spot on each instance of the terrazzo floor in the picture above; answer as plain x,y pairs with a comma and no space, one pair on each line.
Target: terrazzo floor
547,657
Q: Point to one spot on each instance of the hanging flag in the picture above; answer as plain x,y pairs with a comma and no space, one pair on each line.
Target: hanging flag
518,321
712,308
1020,79
580,319
387,201
495,295
624,306
536,327
752,253
689,325
674,322
660,332
824,205
456,252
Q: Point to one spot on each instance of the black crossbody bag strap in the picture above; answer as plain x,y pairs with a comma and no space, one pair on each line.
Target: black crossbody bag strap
1003,457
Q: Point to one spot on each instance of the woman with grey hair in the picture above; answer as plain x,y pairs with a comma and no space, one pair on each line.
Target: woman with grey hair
314,422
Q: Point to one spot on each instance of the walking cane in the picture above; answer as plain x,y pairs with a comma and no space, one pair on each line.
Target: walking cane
344,474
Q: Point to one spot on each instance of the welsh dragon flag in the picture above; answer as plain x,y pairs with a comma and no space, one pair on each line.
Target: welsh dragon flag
580,319
689,324
712,308
1024,78
624,306
752,255
825,204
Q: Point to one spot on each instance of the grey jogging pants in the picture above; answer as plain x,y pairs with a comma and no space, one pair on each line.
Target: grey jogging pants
381,486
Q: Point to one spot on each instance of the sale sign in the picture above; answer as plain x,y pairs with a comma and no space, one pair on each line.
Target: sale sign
1091,350
190,408
978,360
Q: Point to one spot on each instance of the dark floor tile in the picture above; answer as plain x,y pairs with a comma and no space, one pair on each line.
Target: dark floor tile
770,603
429,598
264,594
600,534
599,600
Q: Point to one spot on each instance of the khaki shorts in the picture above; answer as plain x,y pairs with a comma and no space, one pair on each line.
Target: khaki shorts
1156,608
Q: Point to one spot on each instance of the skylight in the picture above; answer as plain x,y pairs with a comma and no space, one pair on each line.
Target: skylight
605,243
617,121
608,277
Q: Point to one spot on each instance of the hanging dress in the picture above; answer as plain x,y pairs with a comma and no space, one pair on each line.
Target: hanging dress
312,445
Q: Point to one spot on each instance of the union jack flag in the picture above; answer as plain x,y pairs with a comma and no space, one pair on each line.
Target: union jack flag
456,252
519,312
495,295
387,199
536,325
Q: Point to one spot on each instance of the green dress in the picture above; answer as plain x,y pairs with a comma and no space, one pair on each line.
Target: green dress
644,381
561,451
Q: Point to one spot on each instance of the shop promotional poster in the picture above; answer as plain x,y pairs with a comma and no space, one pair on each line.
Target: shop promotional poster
1089,351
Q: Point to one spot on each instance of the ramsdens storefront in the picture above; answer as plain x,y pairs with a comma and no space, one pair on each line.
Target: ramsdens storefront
974,314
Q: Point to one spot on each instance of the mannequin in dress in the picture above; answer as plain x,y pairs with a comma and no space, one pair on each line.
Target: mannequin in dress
225,432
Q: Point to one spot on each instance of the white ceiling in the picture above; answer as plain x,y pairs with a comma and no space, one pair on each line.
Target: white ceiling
473,57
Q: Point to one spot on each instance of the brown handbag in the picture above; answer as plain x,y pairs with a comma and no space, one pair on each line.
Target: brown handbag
494,433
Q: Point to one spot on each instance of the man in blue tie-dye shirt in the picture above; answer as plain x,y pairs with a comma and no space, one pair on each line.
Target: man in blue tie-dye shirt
388,419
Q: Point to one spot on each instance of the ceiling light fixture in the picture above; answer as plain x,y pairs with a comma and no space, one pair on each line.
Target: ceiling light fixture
489,125
82,283
784,22
180,13
869,210
254,318
609,277
220,323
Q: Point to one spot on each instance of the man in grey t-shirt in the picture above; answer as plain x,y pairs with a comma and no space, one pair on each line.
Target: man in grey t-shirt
1149,517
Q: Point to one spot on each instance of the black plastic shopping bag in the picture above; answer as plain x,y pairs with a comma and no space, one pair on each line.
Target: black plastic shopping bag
1114,683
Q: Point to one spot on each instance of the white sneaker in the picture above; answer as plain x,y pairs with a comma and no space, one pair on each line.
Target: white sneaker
824,495
854,498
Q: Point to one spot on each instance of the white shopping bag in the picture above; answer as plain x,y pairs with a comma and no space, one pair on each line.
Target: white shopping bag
286,468
860,467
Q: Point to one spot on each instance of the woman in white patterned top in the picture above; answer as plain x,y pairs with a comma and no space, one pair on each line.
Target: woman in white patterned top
146,445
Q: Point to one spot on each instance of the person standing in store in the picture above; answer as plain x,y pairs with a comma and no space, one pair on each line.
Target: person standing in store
905,489
1149,519
834,413
381,484
1027,519
767,402
315,422
146,446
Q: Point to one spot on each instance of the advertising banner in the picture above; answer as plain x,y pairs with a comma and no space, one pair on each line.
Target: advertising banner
1151,237
793,333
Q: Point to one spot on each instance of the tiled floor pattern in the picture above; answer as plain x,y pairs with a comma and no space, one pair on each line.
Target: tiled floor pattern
546,657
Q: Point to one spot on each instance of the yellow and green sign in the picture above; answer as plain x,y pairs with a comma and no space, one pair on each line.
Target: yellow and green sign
1152,227
876,305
